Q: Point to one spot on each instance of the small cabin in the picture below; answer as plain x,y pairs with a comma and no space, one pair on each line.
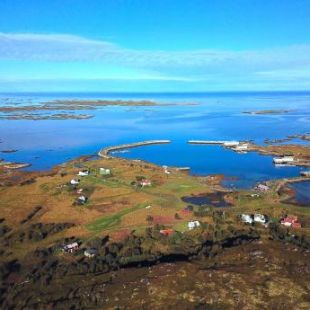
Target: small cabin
262,188
145,183
83,173
90,253
291,221
260,218
81,200
75,181
104,171
247,218
241,147
166,232
71,247
283,160
193,224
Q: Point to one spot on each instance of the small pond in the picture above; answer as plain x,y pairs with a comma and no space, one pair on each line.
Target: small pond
214,199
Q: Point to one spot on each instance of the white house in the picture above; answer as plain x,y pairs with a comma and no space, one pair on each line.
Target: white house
247,218
193,224
167,172
71,247
260,218
90,253
104,171
82,199
241,147
83,173
283,160
74,181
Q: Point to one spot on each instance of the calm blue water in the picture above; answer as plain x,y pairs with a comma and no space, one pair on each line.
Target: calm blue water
217,116
302,192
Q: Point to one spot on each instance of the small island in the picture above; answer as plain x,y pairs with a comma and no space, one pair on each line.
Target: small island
39,111
267,112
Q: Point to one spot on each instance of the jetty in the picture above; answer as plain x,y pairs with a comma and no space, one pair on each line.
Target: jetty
107,150
212,142
182,168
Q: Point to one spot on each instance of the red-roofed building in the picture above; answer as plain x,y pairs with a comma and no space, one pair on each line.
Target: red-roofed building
291,221
166,232
296,225
145,183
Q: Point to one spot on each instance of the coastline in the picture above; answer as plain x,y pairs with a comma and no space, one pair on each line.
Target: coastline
126,223
301,153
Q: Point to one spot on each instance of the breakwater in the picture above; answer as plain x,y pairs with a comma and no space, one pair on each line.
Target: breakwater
107,150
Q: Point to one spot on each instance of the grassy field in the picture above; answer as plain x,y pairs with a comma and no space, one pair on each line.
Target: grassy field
108,222
116,204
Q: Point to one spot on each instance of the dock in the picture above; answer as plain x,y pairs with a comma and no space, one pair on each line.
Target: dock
205,142
182,169
212,142
105,151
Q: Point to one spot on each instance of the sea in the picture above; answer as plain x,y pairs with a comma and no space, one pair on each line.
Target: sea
191,116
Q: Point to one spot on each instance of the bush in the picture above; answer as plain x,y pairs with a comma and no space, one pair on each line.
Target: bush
202,211
149,218
139,178
177,216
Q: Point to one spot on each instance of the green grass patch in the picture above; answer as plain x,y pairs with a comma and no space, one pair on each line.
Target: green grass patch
182,226
107,181
108,222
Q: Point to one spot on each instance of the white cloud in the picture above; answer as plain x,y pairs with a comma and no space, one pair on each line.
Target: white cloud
63,47
290,63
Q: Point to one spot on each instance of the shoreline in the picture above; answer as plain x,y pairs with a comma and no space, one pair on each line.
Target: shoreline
300,152
134,223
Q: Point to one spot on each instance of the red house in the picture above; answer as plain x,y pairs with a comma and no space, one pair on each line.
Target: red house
145,183
291,221
166,232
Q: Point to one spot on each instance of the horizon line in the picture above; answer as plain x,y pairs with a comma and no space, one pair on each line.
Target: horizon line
157,92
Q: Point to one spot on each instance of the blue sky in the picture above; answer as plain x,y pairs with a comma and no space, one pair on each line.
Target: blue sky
154,45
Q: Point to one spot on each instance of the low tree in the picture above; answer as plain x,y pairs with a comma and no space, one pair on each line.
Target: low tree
149,219
177,216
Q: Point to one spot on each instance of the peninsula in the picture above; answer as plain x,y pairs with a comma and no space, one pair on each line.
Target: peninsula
97,226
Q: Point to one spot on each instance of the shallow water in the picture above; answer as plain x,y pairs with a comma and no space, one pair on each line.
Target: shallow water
302,192
216,117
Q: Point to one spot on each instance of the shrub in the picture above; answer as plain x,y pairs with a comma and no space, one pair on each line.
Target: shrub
202,211
177,216
149,218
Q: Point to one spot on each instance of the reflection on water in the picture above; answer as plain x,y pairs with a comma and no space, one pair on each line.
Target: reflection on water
214,199
217,117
